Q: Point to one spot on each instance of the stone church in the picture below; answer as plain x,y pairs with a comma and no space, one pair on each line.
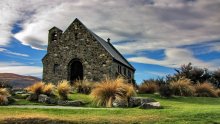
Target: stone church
80,54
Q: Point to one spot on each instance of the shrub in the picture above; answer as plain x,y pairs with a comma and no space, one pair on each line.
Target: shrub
84,87
165,90
63,89
4,92
182,87
36,88
205,90
107,91
4,96
218,92
148,88
48,89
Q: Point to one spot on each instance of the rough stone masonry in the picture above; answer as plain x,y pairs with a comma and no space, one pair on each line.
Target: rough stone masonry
79,54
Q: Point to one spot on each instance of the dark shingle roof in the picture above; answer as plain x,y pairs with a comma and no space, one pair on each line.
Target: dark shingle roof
112,50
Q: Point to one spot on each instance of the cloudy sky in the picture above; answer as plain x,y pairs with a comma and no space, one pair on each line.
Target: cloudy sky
156,36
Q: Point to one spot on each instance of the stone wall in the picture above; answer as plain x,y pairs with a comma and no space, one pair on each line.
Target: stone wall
77,43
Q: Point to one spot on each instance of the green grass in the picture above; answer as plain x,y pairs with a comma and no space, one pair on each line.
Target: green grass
176,110
26,102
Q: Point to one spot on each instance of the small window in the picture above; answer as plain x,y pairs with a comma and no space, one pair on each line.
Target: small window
56,68
129,73
76,36
54,36
119,69
125,72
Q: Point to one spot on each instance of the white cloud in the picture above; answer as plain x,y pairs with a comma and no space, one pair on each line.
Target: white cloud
5,51
18,68
154,24
156,73
175,57
144,24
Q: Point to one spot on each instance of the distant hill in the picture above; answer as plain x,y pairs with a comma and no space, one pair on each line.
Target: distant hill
18,81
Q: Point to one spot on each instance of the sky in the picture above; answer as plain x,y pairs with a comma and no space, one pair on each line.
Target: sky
155,36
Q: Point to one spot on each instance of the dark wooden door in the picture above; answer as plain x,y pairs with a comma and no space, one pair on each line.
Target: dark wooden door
76,71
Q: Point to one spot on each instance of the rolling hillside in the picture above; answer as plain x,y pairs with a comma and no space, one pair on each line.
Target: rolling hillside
18,81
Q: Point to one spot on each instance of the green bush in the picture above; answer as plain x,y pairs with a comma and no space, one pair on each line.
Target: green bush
21,96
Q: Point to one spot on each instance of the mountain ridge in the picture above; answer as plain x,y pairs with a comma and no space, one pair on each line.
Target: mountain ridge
18,81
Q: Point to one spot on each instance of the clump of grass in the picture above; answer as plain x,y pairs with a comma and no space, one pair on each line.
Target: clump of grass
4,94
48,89
148,88
182,87
205,90
165,90
36,88
107,91
63,89
83,87
218,92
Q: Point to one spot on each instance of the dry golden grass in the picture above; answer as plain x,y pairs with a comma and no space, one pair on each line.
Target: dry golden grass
4,92
83,86
182,87
3,96
148,88
36,88
48,89
218,92
206,90
63,89
43,117
106,92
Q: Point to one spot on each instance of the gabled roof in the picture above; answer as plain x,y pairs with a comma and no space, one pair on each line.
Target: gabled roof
109,47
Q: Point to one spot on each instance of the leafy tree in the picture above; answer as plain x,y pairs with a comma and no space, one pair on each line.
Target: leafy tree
195,74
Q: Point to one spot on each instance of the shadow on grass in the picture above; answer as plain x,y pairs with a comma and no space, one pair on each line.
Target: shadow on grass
191,100
34,121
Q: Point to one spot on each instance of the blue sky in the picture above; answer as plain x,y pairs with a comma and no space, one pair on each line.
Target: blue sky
156,36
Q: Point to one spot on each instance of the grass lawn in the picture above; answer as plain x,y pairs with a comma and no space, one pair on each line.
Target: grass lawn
176,110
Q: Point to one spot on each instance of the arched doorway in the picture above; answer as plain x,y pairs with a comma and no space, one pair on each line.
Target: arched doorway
75,70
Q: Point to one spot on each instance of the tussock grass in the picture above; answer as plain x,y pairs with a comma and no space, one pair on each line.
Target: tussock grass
63,88
205,90
182,87
48,89
36,88
148,88
4,92
218,92
83,86
165,91
3,96
108,90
